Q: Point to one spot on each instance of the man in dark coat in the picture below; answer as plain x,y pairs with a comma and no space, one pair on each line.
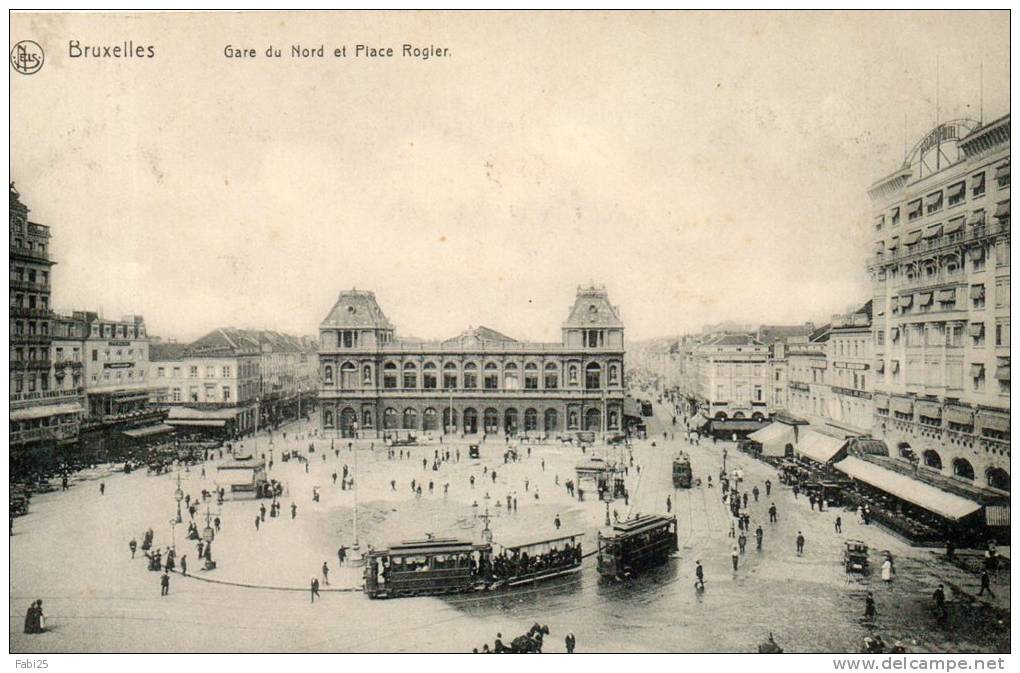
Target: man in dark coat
315,589
164,584
869,606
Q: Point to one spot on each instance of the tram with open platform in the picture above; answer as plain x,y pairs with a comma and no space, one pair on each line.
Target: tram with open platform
636,544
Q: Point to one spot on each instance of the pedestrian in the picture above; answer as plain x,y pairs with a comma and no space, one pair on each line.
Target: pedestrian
768,487
102,488
796,491
887,571
869,606
393,484
257,521
800,543
315,589
986,584
742,541
515,503
201,546
669,505
184,564
940,602
699,573
759,534
773,517
164,584
325,573
262,512
570,643
755,492
557,522
735,555
133,546
950,550
293,511
839,525
745,499
216,523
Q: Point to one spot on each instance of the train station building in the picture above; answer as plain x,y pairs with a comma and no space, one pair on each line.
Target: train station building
374,384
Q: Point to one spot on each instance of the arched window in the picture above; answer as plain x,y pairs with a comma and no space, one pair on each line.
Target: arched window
932,459
470,421
470,376
410,419
348,376
429,377
593,420
430,419
511,380
997,478
531,376
449,376
963,469
491,420
593,376
530,420
490,381
450,419
552,421
327,375
552,376
390,375
510,421
390,419
410,375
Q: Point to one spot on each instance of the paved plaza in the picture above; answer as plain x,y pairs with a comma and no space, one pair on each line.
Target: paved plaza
71,551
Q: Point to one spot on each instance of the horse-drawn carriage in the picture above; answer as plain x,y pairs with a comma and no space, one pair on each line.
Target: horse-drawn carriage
855,556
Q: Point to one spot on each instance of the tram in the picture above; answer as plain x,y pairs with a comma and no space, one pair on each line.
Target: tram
435,566
636,544
682,474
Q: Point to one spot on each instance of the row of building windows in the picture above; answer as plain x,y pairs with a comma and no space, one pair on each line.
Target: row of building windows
471,421
39,301
31,328
469,379
955,195
931,374
30,245
30,275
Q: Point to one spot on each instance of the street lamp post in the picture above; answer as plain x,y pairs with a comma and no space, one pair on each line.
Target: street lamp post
178,496
356,547
607,497
207,535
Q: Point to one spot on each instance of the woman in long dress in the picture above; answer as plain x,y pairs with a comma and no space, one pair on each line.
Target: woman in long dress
887,571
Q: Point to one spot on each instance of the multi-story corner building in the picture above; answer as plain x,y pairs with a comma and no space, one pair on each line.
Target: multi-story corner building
849,375
940,274
213,384
807,389
44,420
480,381
732,377
116,368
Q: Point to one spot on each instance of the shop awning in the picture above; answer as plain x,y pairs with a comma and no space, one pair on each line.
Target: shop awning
773,438
818,447
924,299
934,201
977,370
45,411
894,243
160,429
184,413
880,367
906,300
977,291
1002,172
197,422
956,191
1002,373
912,238
914,208
881,401
631,407
960,415
978,183
879,221
977,219
925,496
894,366
902,405
698,420
954,225
993,421
737,425
929,409
1002,210
947,295
976,329
933,231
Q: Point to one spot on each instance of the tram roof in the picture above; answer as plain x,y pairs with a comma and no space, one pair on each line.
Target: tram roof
535,543
641,524
434,546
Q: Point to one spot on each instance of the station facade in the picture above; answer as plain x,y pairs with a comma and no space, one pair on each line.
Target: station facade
373,383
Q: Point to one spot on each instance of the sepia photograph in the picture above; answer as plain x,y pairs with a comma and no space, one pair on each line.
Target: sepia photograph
453,332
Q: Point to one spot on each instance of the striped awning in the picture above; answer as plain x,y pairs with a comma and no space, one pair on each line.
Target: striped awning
881,401
1002,210
976,329
977,291
880,366
912,238
919,493
1002,172
977,218
934,231
929,409
994,421
947,295
44,411
960,415
954,225
902,405
956,191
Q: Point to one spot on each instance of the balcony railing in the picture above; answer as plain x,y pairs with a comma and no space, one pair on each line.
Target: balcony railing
929,245
51,396
27,312
18,284
43,339
34,253
22,365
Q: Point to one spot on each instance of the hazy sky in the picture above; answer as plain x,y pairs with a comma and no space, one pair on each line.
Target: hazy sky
704,167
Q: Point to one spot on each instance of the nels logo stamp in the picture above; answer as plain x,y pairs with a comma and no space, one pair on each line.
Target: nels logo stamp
27,57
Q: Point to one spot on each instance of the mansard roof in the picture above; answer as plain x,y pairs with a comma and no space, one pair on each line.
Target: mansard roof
356,308
592,309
